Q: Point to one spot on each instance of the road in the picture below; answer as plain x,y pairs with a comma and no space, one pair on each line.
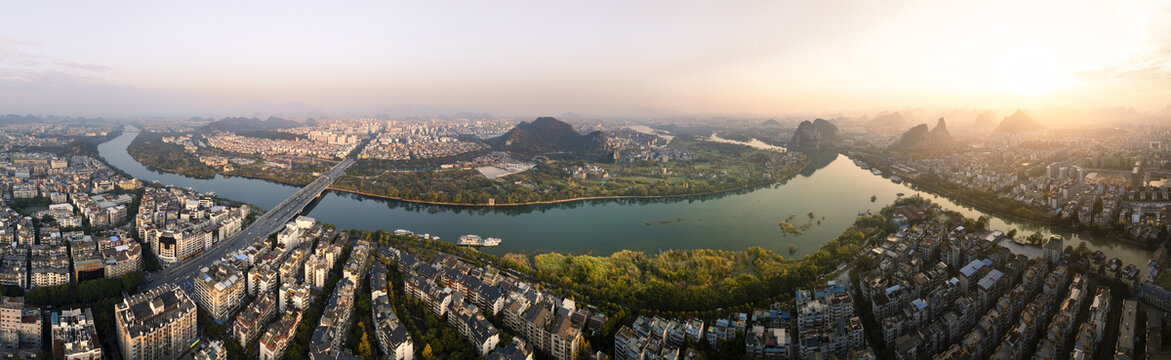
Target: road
264,225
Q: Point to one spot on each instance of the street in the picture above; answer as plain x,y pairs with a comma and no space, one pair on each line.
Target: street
265,224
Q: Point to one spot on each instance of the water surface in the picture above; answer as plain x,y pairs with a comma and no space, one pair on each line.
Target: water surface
833,188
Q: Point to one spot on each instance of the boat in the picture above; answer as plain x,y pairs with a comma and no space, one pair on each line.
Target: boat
475,240
895,179
403,232
471,240
900,194
876,172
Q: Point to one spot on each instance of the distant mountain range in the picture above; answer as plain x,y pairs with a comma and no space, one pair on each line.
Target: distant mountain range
240,124
892,120
814,135
919,138
31,119
1019,122
547,135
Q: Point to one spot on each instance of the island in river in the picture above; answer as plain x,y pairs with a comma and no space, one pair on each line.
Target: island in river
686,166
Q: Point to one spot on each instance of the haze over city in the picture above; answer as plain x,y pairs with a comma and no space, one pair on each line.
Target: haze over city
658,58
602,180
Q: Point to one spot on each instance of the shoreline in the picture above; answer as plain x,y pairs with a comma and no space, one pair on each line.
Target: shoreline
417,201
1052,225
548,202
1049,223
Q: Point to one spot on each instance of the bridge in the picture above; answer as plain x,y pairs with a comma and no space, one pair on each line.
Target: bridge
264,225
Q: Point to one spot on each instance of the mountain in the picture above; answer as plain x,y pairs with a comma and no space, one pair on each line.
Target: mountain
986,121
1018,122
891,120
919,138
19,119
940,133
238,124
770,122
815,135
914,139
32,119
544,135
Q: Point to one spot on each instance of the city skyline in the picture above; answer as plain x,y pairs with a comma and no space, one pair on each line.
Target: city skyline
618,59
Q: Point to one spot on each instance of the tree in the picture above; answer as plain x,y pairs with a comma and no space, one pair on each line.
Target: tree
131,280
427,351
364,345
1035,238
1011,234
982,222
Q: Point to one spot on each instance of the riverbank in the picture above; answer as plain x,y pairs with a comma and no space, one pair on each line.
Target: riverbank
148,149
1048,222
547,202
832,185
940,187
512,195
553,202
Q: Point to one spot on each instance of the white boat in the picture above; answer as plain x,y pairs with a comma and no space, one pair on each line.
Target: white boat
476,240
470,240
402,232
876,172
492,241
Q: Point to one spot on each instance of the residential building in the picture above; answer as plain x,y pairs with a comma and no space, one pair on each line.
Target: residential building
157,324
74,335
219,289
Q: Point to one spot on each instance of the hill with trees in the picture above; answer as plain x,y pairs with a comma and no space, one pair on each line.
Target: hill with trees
547,135
816,134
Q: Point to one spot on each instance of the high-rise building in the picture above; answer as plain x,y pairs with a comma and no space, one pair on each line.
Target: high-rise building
157,324
254,317
219,289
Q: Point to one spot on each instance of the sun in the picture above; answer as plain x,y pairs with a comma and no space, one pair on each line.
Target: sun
1032,72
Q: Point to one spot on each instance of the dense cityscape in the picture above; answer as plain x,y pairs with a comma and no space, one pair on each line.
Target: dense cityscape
602,180
89,248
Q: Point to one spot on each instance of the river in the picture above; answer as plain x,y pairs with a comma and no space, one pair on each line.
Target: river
833,188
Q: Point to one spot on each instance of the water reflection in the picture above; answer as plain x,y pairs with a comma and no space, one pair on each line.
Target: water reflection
832,187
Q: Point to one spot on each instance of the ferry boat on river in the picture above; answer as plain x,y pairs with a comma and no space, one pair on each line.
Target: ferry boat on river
475,240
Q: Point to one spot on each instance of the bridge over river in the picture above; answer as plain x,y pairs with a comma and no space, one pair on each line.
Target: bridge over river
265,224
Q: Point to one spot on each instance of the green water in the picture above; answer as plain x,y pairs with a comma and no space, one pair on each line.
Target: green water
833,188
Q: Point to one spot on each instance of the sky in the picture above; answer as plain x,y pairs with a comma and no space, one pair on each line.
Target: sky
615,58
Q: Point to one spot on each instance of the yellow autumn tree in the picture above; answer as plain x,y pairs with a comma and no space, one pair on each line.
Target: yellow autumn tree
364,347
427,352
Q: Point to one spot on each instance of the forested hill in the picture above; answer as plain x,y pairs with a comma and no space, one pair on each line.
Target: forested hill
546,135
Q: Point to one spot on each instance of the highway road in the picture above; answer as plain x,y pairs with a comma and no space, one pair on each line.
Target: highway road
264,225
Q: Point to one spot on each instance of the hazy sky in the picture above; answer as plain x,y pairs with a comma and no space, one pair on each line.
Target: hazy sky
593,57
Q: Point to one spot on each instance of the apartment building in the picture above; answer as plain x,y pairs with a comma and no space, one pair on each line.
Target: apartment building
254,317
20,326
74,335
219,290
157,324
